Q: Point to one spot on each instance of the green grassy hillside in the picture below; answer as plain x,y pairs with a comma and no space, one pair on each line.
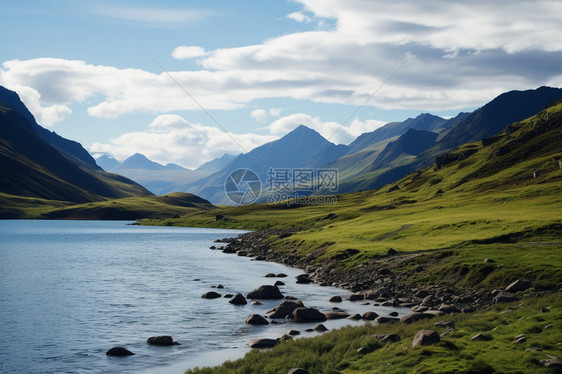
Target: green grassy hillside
482,201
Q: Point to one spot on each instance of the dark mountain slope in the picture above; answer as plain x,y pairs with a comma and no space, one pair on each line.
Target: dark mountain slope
30,166
67,147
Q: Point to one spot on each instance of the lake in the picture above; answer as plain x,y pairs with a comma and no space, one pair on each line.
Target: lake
70,290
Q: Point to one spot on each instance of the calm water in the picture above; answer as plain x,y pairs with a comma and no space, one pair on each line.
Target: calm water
70,290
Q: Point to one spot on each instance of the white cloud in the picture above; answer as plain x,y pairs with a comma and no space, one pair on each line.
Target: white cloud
299,17
259,115
186,52
462,54
171,138
152,16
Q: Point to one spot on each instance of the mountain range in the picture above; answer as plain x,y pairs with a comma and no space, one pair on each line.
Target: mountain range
38,163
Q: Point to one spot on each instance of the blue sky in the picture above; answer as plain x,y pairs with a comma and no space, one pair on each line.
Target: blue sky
117,76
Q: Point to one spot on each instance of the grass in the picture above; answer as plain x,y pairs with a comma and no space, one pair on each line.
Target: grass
336,351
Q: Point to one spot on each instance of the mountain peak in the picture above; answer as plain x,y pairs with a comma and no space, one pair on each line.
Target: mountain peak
139,161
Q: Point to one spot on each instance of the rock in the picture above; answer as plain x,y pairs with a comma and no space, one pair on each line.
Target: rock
262,343
285,338
449,325
355,316
545,310
163,341
489,261
260,258
297,371
388,338
320,328
308,315
393,314
219,286
256,319
391,252
284,309
369,316
119,352
279,283
421,294
211,295
413,317
212,247
551,362
549,326
364,350
265,292
426,337
238,299
518,285
420,308
281,275
480,337
449,309
335,299
255,302
303,279
336,314
435,313
293,332
520,339
270,275
356,297
504,297
386,319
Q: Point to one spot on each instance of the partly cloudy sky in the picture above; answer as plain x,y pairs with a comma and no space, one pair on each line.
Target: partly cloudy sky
186,81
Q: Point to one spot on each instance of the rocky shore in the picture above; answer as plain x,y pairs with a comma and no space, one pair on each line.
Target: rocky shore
373,280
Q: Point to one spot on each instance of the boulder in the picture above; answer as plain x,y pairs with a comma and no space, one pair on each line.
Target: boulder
369,316
387,319
320,328
293,332
279,283
449,325
426,337
163,341
393,314
335,299
336,314
416,316
255,302
119,352
504,297
303,279
256,319
281,275
356,297
518,285
265,292
284,309
480,337
388,338
448,309
270,275
211,295
364,350
308,315
297,371
262,343
238,299
355,316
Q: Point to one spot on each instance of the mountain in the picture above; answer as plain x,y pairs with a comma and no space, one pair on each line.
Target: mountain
493,117
138,161
217,163
106,162
424,121
302,147
69,148
411,143
484,122
32,167
157,178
